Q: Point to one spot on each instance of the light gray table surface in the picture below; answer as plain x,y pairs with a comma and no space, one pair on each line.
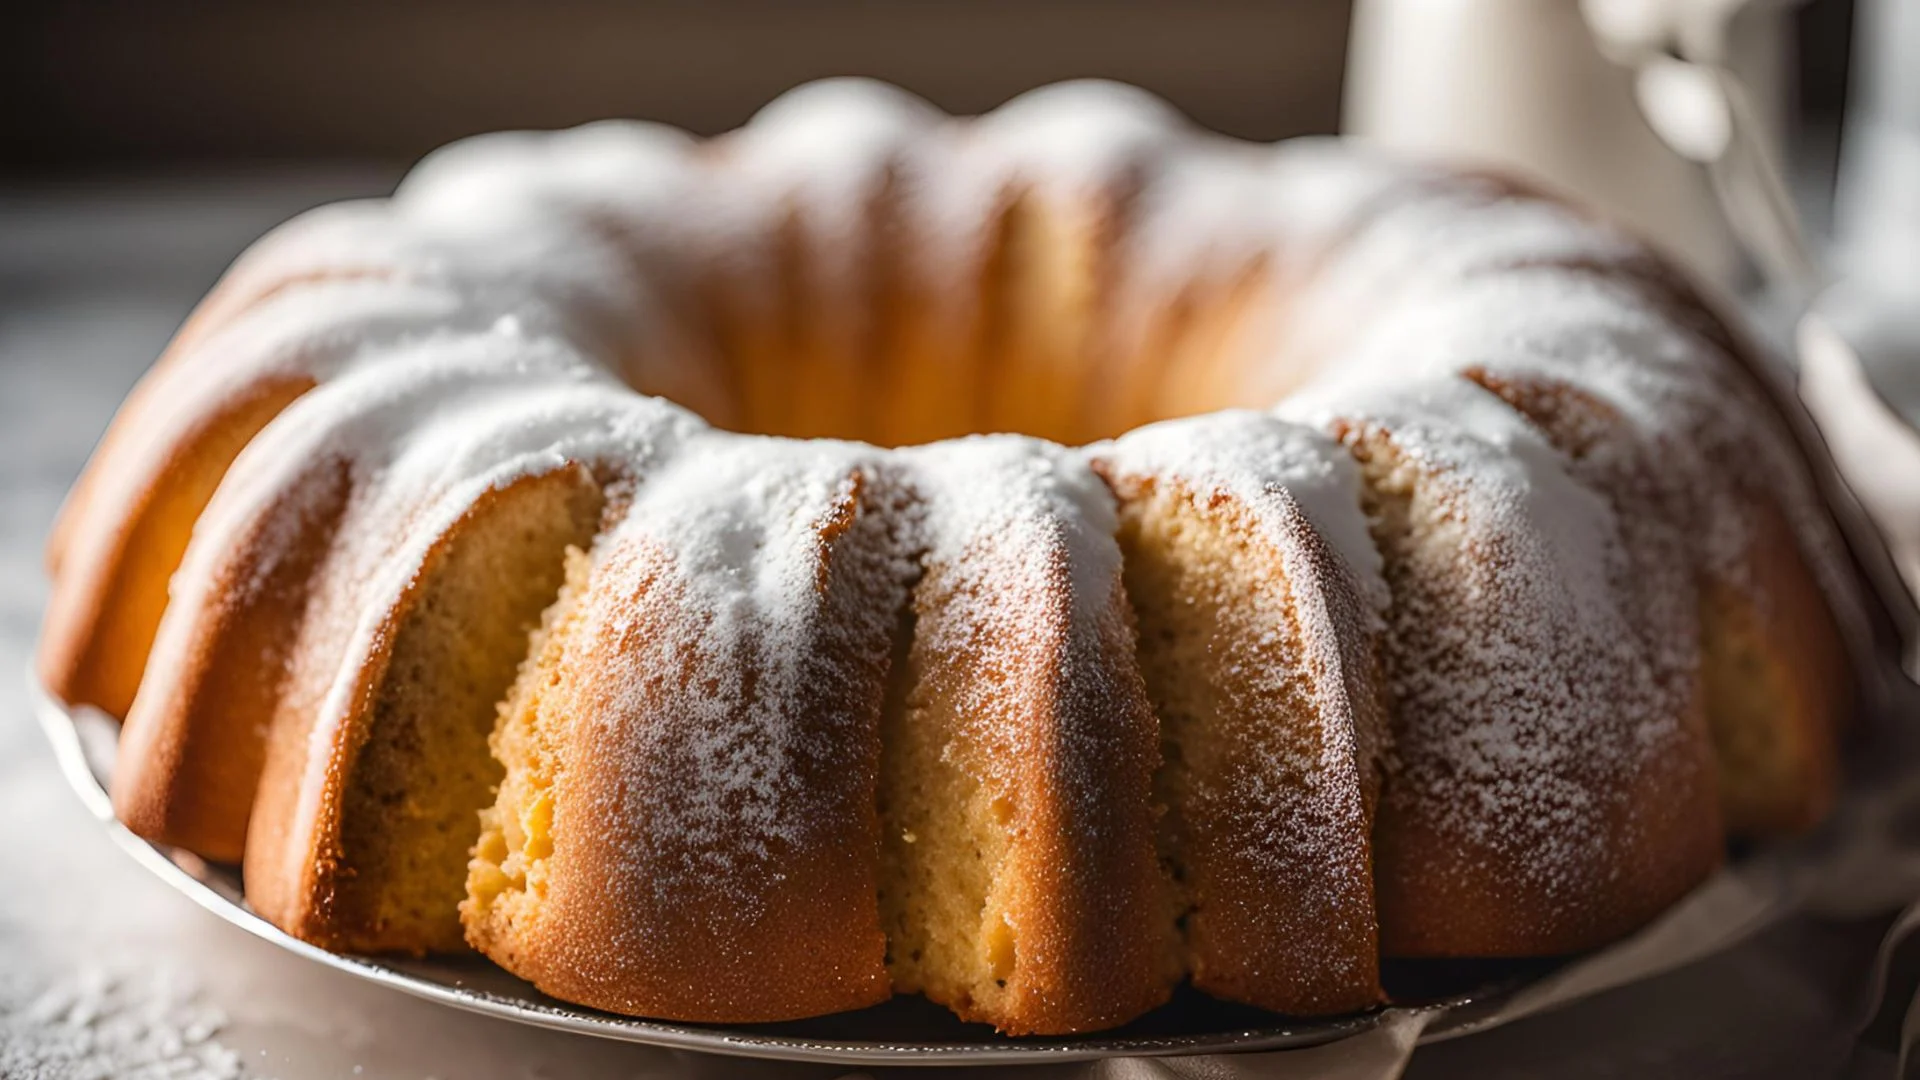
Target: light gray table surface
106,972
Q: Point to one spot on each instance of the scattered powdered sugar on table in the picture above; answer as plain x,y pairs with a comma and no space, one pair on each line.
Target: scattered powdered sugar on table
110,1023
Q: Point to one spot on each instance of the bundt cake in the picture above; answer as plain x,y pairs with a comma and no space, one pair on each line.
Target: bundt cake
597,555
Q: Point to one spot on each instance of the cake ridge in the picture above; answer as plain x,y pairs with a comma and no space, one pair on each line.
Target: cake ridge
406,457
1272,720
1496,790
1030,740
786,593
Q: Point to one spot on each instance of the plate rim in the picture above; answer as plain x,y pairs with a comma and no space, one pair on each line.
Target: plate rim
186,873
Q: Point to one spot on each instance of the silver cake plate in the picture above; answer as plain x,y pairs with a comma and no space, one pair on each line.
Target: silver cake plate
904,1031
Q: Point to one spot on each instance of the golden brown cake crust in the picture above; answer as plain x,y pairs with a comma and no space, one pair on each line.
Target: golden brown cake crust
302,871
713,822
1780,689
1291,927
1024,704
194,744
130,530
1550,782
1260,644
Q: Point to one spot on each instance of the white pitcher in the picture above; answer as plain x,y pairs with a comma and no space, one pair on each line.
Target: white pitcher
1522,85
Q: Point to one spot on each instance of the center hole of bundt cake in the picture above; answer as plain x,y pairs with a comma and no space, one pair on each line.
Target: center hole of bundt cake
1050,348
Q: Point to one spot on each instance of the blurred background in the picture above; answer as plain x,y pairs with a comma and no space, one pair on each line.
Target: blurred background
121,84
154,140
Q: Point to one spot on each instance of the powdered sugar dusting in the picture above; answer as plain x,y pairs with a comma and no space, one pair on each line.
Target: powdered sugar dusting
1462,274
738,541
1083,133
1018,541
1025,657
1028,500
1522,696
1288,814
417,435
1303,493
817,160
1265,463
96,1023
